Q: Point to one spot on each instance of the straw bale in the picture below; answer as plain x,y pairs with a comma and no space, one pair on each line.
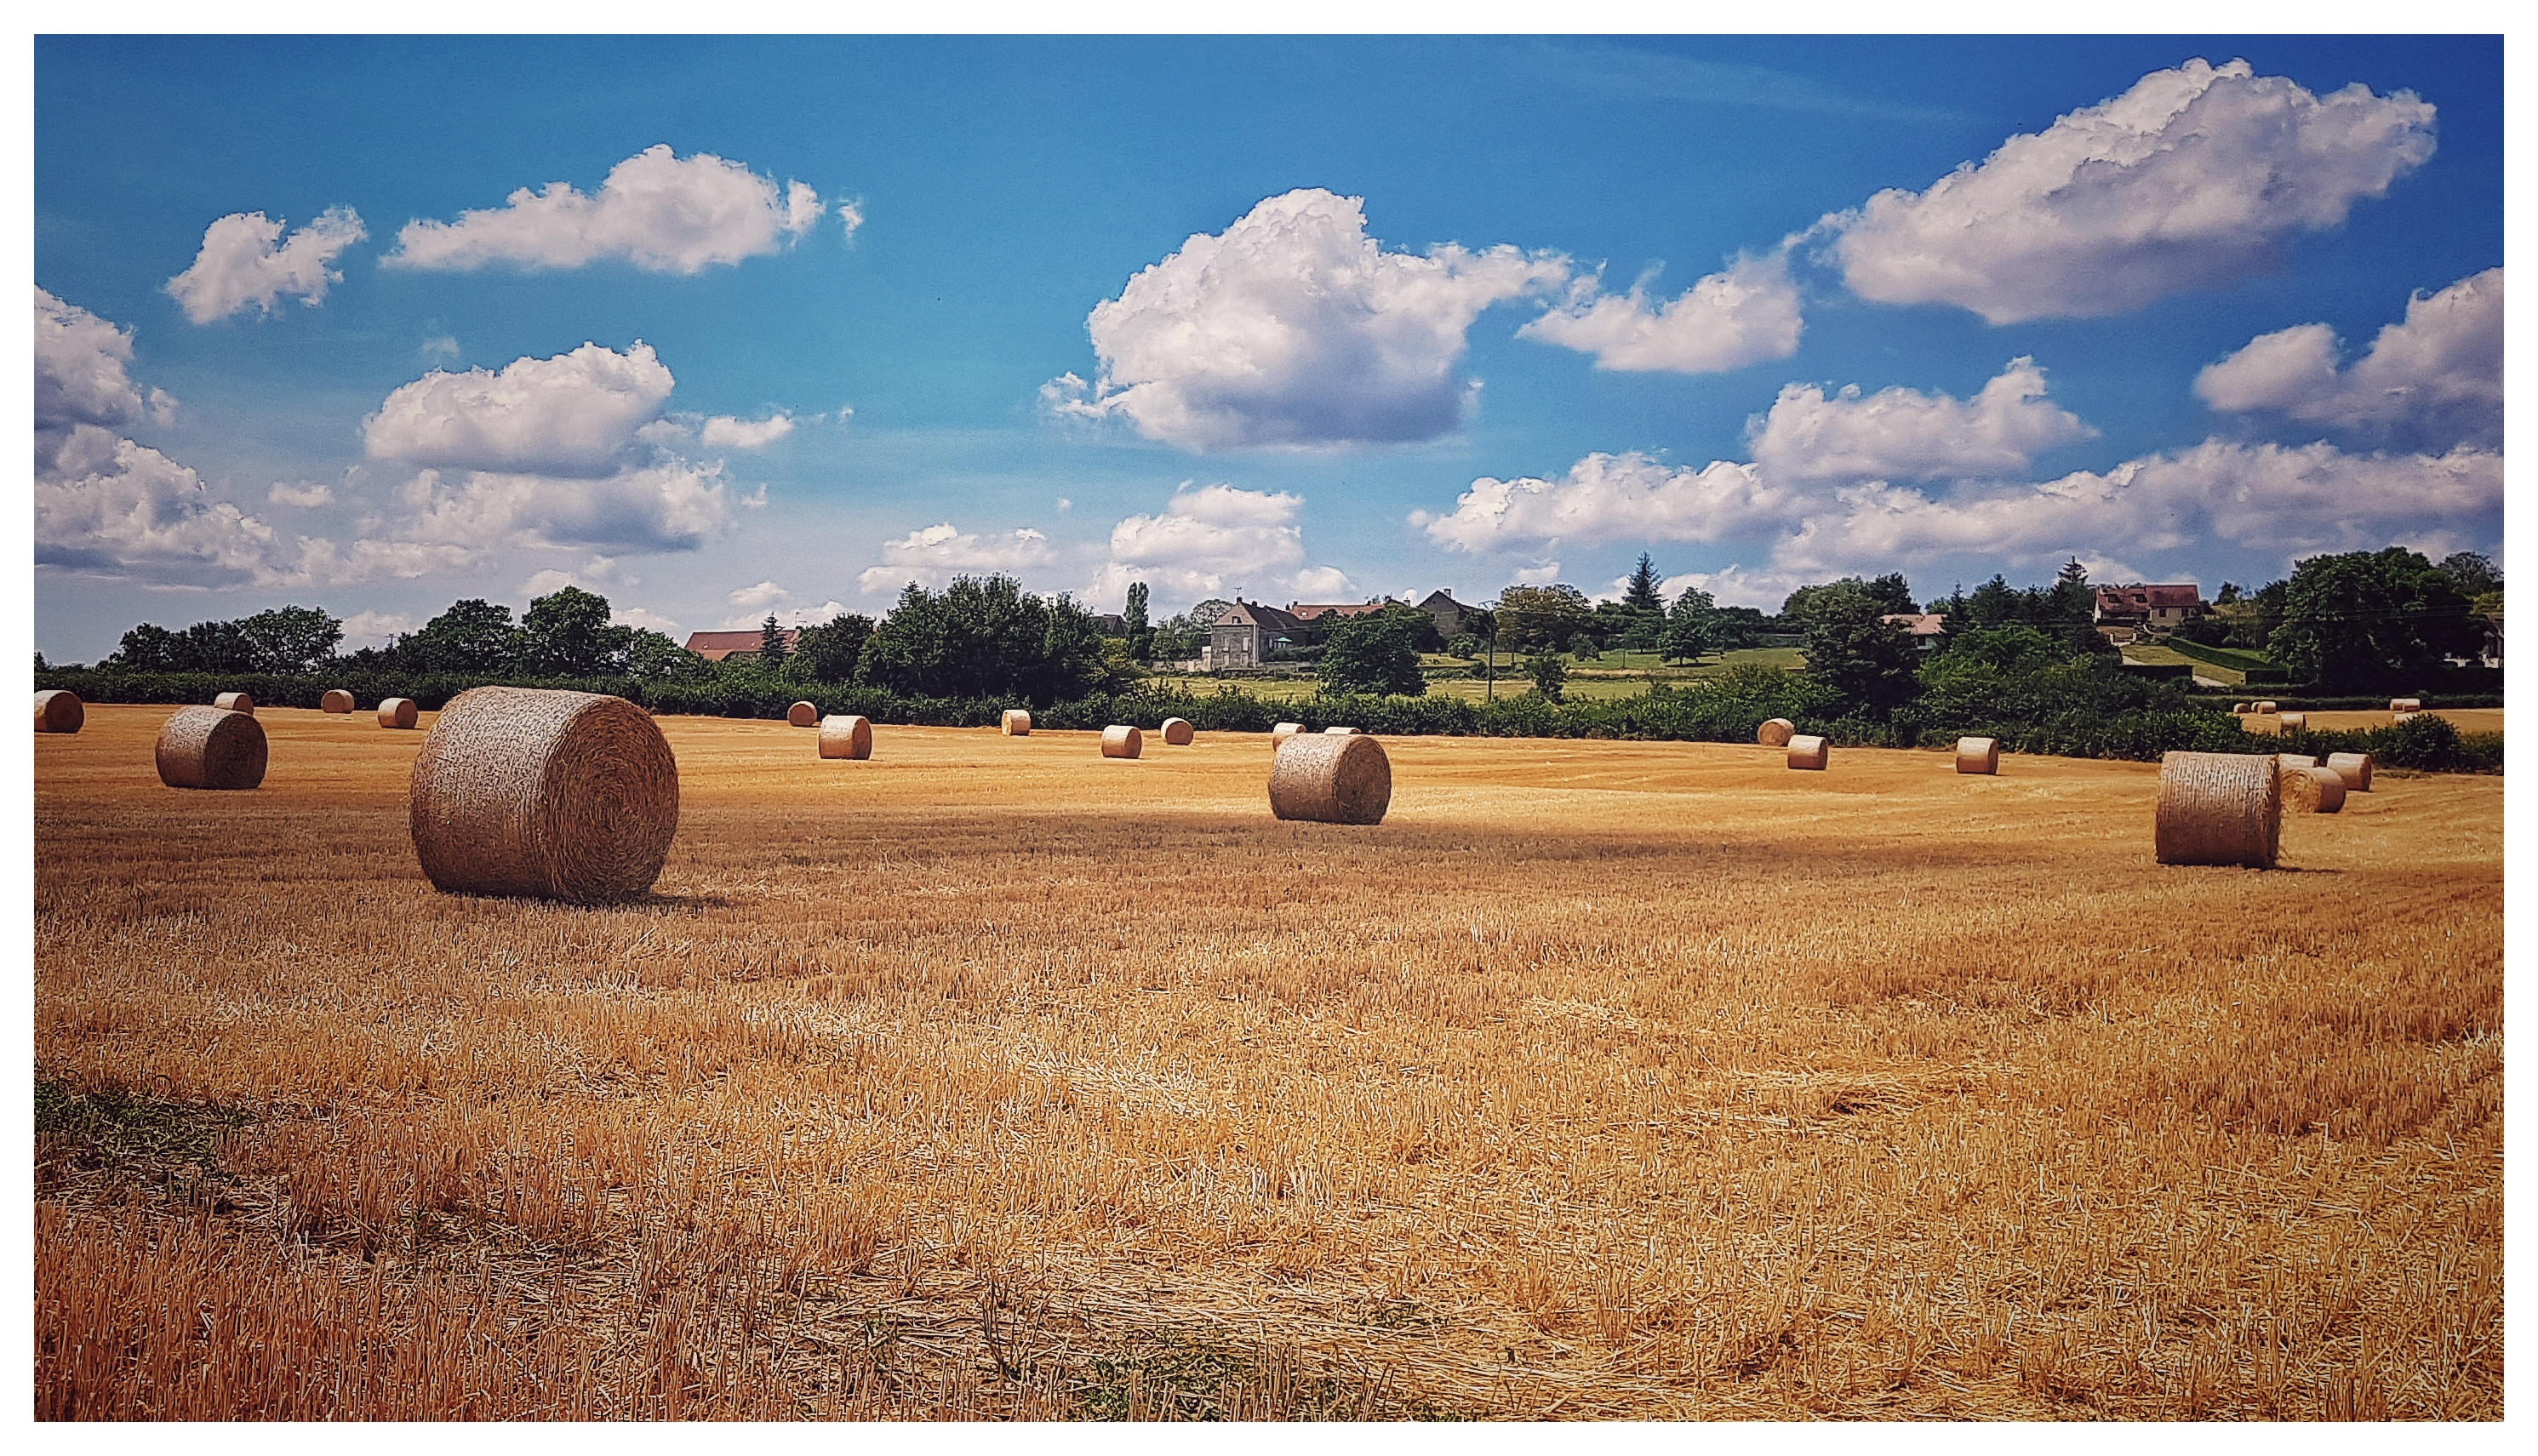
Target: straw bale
59,710
2295,722
2265,706
1177,732
1807,751
2354,770
529,791
846,736
1776,733
234,703
802,716
1977,755
2405,705
396,712
1344,779
1119,741
336,701
2311,790
1336,731
2402,717
2294,761
2238,707
1016,724
2219,809
211,747
1284,731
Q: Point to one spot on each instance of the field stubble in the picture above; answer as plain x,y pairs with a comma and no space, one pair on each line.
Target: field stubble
991,1078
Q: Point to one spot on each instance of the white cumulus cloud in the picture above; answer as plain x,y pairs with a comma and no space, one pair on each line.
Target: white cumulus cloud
374,629
82,370
2437,374
1742,315
758,598
933,555
1206,542
1294,328
246,263
575,414
671,504
306,495
727,433
2194,177
1324,585
1905,433
642,617
1611,498
656,211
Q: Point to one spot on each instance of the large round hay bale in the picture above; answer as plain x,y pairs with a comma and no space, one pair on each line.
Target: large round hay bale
1343,779
802,716
2295,722
1177,732
2354,770
846,736
569,796
1776,733
211,747
2238,707
2311,790
2219,809
336,701
1336,731
2405,705
59,710
234,703
1017,723
2265,706
1119,741
1807,751
397,712
1284,731
1977,755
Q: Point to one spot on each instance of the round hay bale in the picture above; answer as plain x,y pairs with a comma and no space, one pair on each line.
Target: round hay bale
1337,731
211,747
846,736
2295,722
336,701
2266,706
234,703
802,716
529,791
1977,755
2354,770
2294,761
1284,731
397,712
2311,790
1177,732
2405,705
2238,707
1119,741
1335,779
1776,733
1807,751
1017,723
2219,809
2402,717
59,710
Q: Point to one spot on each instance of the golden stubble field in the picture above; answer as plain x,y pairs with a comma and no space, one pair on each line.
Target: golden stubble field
990,1078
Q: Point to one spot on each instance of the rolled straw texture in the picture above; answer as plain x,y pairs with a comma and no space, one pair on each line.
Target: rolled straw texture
1017,723
802,716
2405,705
1807,751
336,701
1336,731
59,710
1331,780
846,736
2292,722
2311,790
1776,733
1119,741
2219,809
527,791
2354,770
2266,706
1284,731
234,703
397,712
1977,755
1177,732
211,747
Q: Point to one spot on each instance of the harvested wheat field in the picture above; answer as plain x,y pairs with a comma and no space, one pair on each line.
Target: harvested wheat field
990,1077
2464,719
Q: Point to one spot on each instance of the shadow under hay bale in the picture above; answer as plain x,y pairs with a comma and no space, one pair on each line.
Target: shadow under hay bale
1326,778
1177,732
2354,770
336,701
211,747
1119,741
1977,755
1776,733
2311,790
1016,724
528,791
846,736
234,703
802,716
59,710
2219,809
1808,751
398,712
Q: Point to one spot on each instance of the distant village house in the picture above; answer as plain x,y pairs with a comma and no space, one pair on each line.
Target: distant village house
714,646
2140,606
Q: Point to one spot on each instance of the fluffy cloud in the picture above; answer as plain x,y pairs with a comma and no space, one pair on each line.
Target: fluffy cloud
1907,434
82,370
757,603
1745,314
575,414
933,555
1611,498
1206,542
1294,328
644,618
2437,375
671,504
246,263
1324,585
2194,177
655,211
374,629
725,433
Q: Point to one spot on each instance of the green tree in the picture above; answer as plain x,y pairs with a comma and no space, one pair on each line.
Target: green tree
472,636
1141,635
2368,621
1688,631
1890,592
1642,604
1541,616
1866,661
827,652
2474,574
652,655
149,649
291,640
567,634
983,639
1371,653
1550,676
771,648
218,647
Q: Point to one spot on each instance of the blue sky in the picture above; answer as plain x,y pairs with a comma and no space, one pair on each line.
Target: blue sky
1313,319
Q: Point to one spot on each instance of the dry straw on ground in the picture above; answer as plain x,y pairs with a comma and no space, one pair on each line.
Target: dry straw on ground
1121,741
234,703
525,791
2311,790
1177,732
1808,751
336,701
2354,770
846,736
1283,732
398,712
1344,781
802,716
211,747
2219,809
1977,755
1776,733
2293,722
1016,723
59,710
2405,705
